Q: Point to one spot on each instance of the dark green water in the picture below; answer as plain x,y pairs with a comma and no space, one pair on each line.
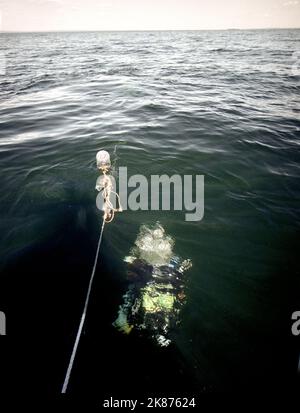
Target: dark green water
222,104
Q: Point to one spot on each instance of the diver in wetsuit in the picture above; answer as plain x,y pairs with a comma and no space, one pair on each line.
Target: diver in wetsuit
156,291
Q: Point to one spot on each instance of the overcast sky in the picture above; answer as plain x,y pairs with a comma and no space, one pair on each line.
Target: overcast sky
48,15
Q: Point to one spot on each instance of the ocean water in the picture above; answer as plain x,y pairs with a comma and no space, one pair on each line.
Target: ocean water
225,104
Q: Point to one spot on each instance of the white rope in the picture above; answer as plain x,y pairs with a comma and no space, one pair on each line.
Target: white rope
109,210
108,216
71,362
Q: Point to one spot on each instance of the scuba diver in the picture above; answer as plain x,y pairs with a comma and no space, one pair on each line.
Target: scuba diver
156,291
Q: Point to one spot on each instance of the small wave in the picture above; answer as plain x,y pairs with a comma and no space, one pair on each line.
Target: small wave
260,143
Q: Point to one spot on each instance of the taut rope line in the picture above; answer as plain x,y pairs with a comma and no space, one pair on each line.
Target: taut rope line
72,358
108,216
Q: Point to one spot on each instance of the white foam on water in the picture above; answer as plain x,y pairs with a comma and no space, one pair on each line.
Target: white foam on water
153,245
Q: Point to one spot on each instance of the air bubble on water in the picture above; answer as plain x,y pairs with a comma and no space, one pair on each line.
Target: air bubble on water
153,245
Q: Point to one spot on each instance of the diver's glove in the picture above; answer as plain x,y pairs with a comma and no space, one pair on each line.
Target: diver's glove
185,265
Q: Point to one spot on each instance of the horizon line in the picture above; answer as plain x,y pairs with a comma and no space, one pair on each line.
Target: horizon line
146,30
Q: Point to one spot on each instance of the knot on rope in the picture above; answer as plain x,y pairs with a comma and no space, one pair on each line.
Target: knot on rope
106,186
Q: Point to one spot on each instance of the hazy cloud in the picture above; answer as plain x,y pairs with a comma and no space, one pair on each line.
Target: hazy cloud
291,3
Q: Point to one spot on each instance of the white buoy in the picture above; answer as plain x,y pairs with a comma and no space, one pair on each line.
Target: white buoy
103,160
